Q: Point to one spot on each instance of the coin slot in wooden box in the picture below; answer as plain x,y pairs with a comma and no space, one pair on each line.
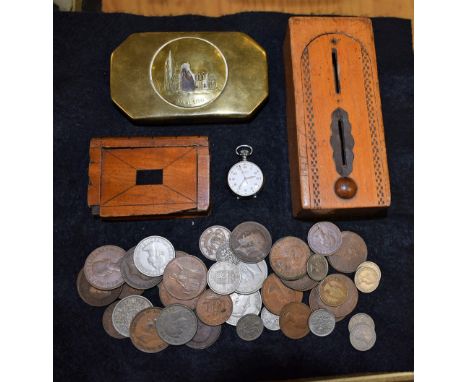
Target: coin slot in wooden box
148,177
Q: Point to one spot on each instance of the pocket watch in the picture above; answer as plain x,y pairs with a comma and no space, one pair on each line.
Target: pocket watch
245,178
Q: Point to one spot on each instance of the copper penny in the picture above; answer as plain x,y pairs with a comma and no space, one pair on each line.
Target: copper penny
181,254
324,238
102,267
205,336
185,277
143,331
288,258
127,290
349,305
167,299
107,322
352,252
213,309
93,296
314,298
294,320
303,284
250,242
275,294
333,290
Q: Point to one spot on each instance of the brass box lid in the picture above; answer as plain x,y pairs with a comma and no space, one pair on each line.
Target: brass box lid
172,75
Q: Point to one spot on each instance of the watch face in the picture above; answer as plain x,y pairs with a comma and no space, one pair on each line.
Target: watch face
245,178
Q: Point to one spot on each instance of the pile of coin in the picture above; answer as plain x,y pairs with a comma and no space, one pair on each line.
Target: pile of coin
238,285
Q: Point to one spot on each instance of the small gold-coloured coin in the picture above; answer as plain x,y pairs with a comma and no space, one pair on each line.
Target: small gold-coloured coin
371,264
366,279
333,290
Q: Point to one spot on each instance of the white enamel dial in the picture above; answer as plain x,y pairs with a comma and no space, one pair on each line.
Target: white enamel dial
245,178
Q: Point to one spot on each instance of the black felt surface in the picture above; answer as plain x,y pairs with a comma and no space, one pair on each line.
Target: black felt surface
83,109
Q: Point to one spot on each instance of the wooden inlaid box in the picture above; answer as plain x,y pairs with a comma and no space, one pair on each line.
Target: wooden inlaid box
337,151
143,177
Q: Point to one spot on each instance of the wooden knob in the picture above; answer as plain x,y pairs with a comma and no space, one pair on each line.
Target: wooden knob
345,188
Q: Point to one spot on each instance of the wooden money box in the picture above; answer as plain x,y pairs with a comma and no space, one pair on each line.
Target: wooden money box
143,177
337,151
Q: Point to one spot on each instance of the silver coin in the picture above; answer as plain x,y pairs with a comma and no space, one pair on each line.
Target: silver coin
211,239
362,337
133,276
152,254
270,320
249,327
223,277
244,304
321,322
126,310
360,318
324,238
250,242
252,277
224,253
177,324
317,267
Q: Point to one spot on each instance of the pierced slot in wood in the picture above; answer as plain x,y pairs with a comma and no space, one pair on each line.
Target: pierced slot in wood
336,71
342,141
149,177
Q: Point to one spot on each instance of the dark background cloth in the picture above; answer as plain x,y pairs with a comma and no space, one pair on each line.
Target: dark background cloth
83,109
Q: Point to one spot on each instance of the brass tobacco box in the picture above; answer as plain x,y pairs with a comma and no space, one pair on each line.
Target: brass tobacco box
160,76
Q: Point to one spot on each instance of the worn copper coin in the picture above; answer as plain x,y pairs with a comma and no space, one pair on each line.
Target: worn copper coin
93,296
125,310
249,327
352,252
167,299
324,238
250,242
317,267
102,267
303,284
213,309
181,254
314,298
177,324
211,239
107,322
133,276
333,290
127,290
348,306
288,258
293,320
185,277
366,279
143,333
205,336
276,295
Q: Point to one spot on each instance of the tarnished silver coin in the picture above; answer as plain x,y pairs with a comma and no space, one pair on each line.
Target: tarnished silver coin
362,337
324,238
360,318
270,320
152,254
224,277
126,310
250,242
249,327
133,276
252,277
244,304
321,322
224,253
211,239
317,267
177,324
206,336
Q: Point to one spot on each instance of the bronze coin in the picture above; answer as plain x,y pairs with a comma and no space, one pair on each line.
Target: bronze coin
275,294
167,299
352,252
143,333
303,284
294,320
213,309
127,290
349,305
107,322
317,267
333,290
102,267
93,296
205,336
314,298
250,242
288,258
185,277
181,254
